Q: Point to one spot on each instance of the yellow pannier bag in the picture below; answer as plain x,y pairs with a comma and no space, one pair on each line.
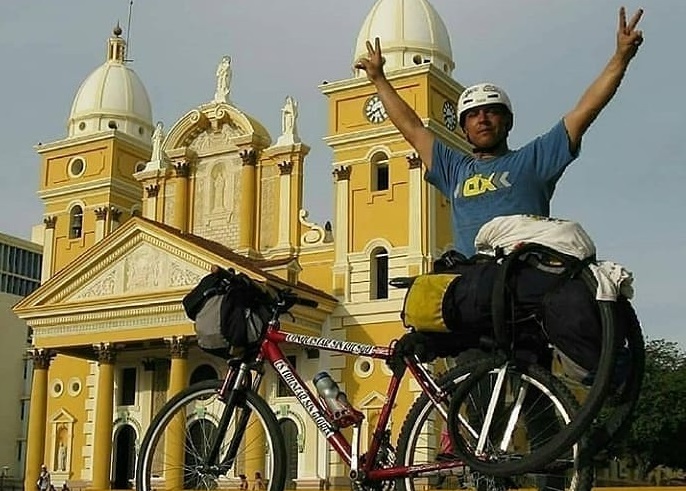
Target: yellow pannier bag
423,307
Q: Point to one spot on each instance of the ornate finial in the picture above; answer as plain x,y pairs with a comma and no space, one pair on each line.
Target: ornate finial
116,46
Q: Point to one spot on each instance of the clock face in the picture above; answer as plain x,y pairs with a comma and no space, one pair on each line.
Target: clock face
449,115
374,110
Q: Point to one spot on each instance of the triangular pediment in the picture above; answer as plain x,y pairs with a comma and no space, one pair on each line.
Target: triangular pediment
138,261
128,288
373,400
62,416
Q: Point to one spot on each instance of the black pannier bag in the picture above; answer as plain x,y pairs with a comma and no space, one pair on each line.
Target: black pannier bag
459,299
229,316
572,322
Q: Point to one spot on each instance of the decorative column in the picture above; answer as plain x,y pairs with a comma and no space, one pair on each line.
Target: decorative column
341,283
254,456
176,436
248,199
104,412
285,171
150,204
48,247
181,173
115,218
100,223
38,408
415,228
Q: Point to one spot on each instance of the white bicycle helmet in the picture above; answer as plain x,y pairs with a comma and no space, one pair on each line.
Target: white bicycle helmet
481,95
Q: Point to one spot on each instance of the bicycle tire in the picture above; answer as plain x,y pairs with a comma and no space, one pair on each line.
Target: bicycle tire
204,409
619,409
577,427
418,444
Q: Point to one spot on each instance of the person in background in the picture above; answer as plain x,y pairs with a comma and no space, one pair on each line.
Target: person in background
44,482
258,483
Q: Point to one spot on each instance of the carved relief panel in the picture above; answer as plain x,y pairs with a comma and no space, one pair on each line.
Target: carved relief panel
144,268
217,199
269,213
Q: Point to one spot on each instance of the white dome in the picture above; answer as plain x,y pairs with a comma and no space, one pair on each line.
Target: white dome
112,97
411,33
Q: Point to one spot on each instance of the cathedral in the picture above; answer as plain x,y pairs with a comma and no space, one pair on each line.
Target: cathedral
136,213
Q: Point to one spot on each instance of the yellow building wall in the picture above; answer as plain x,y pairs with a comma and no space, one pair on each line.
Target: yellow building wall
126,159
358,388
346,108
444,231
317,269
66,371
55,165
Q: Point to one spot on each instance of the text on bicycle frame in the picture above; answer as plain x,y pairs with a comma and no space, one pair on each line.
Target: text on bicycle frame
302,395
332,344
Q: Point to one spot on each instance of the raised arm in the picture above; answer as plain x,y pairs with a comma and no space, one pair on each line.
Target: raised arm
400,113
604,87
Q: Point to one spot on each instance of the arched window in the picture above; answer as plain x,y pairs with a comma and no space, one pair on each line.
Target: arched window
75,222
380,177
379,274
202,373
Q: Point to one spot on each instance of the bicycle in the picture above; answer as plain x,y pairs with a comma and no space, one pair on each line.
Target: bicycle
214,430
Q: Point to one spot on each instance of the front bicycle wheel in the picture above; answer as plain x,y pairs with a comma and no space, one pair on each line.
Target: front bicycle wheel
423,442
175,453
616,416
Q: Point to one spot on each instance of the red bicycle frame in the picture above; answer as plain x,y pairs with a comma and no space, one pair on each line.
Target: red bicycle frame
271,352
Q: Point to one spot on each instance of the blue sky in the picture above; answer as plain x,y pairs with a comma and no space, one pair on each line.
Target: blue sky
626,188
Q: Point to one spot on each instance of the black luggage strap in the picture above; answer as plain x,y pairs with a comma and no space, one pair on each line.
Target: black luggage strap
572,266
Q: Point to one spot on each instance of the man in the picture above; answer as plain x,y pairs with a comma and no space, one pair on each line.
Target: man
497,181
43,483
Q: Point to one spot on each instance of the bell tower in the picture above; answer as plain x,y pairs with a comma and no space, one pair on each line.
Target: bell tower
388,220
87,183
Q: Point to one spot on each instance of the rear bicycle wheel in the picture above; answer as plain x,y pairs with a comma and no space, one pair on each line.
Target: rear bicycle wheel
419,444
174,454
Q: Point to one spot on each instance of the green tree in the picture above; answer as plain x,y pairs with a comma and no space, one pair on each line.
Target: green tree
658,432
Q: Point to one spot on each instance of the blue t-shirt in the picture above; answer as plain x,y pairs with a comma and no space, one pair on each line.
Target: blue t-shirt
519,182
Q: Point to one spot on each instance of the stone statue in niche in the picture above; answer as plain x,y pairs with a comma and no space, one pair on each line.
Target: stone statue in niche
223,79
61,457
218,198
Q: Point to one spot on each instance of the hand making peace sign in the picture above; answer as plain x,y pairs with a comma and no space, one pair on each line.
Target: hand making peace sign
373,63
628,37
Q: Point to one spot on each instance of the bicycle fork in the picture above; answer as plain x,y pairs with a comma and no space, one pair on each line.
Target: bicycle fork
236,382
